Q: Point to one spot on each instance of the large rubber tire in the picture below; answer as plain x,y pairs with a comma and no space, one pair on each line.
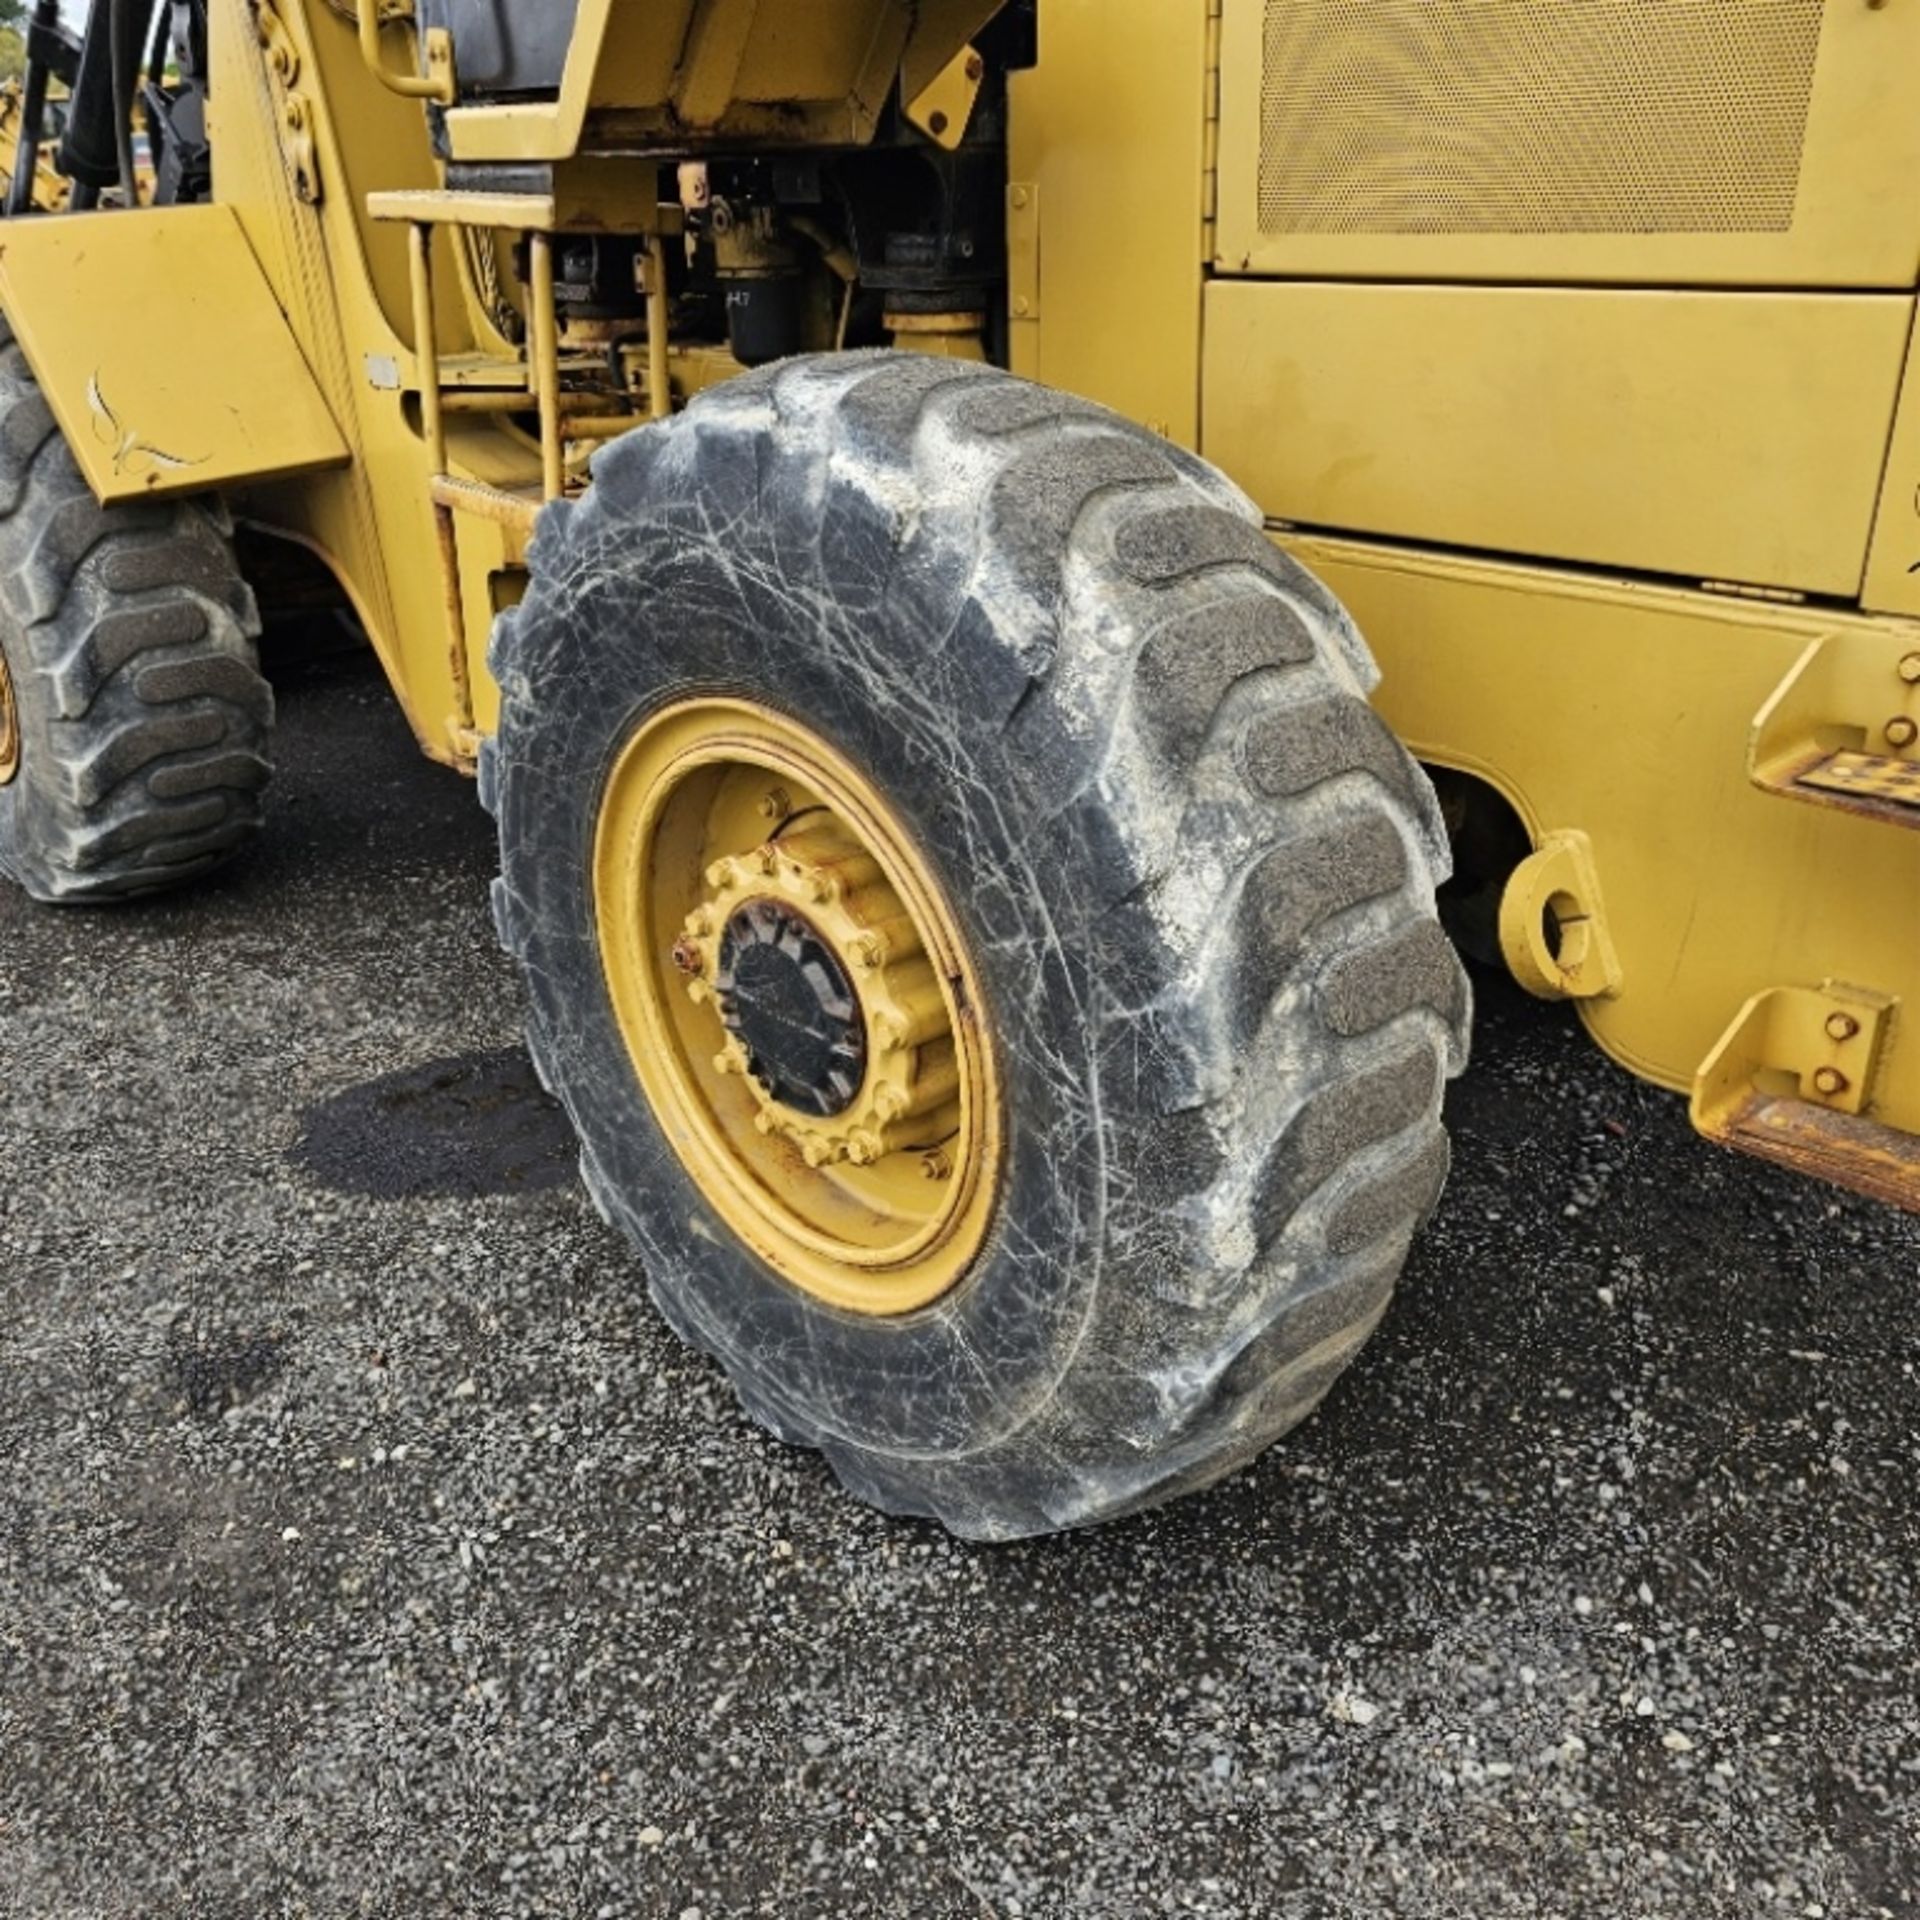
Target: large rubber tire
128,639
1196,870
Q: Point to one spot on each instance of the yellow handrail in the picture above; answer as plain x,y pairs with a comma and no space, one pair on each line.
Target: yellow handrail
413,86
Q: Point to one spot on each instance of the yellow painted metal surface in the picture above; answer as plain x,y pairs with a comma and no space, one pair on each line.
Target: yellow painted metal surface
1621,710
702,71
1770,143
581,196
1109,134
1728,436
1892,584
143,417
300,140
1553,922
943,109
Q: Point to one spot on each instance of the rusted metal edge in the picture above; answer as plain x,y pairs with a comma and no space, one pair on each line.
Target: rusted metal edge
514,510
1861,1155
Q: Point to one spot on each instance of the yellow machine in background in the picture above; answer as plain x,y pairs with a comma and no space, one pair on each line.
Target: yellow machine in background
1569,348
49,190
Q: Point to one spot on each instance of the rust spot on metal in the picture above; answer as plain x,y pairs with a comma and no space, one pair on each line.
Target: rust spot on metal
1843,1148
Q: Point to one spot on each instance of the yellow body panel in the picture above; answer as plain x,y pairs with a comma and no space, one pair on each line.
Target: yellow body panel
1109,133
102,310
1623,710
1663,143
1710,435
1892,584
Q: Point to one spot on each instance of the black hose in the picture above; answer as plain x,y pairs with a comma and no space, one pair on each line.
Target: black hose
100,114
124,72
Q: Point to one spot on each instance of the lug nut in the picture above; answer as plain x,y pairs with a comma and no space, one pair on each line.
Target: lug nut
865,1149
775,804
1830,1081
688,958
936,1165
1841,1026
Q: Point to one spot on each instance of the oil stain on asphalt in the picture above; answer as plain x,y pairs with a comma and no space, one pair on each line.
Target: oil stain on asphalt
476,1124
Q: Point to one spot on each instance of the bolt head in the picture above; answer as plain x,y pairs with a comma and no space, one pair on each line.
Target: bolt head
723,874
1902,731
936,1165
865,1149
688,958
1841,1026
1830,1081
1909,669
775,804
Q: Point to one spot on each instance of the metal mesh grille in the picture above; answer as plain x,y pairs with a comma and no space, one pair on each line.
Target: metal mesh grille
1534,116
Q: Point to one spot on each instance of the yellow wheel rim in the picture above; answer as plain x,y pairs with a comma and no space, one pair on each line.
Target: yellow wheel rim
9,727
746,874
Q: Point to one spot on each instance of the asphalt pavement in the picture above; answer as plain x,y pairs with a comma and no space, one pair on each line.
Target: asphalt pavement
368,1547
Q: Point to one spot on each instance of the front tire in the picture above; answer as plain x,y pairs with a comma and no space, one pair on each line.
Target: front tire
1194,875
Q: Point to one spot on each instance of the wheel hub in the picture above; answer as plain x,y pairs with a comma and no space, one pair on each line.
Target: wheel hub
830,1008
786,999
801,1011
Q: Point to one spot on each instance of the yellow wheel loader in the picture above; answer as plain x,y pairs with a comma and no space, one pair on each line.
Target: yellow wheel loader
886,496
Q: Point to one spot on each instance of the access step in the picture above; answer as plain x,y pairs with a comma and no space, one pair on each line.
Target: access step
1843,728
1792,1081
1877,779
